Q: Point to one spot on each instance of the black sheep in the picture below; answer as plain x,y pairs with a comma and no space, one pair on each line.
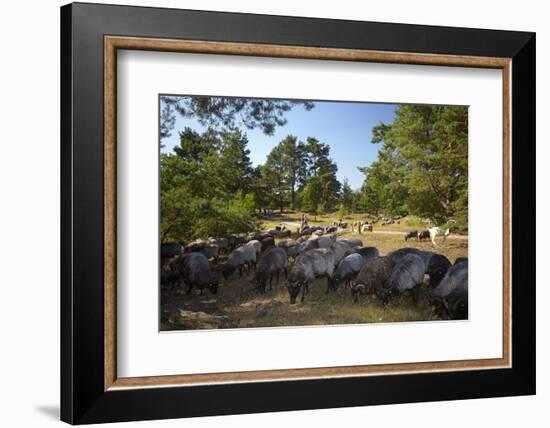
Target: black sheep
411,234
272,262
397,255
425,234
450,297
407,275
437,268
169,250
368,253
372,277
267,243
195,271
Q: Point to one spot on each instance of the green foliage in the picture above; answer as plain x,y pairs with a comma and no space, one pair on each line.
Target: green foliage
203,185
312,196
348,198
422,166
228,113
293,165
167,122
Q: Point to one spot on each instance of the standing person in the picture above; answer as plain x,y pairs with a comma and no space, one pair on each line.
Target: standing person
303,221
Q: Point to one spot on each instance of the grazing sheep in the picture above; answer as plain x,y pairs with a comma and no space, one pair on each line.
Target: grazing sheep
308,230
310,265
290,246
231,243
197,243
169,250
267,243
272,262
210,251
397,255
244,256
450,297
340,248
195,271
372,277
425,234
274,232
348,268
256,244
305,246
279,231
325,241
367,227
258,236
222,243
411,234
408,274
353,242
436,268
368,252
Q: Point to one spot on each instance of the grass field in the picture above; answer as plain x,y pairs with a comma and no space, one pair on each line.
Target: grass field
238,302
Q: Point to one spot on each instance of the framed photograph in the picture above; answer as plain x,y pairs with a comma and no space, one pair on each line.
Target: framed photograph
267,213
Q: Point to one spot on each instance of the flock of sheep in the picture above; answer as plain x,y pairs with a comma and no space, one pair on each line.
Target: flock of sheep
343,262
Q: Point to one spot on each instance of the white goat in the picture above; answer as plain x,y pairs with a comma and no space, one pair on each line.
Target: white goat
435,231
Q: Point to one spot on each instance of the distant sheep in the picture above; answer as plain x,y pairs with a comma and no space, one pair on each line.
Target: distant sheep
210,251
222,243
366,227
424,234
411,234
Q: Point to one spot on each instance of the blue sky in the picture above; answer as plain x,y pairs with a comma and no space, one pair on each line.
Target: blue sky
344,126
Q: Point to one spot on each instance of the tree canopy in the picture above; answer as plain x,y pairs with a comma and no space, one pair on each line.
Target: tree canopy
422,166
227,113
210,187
